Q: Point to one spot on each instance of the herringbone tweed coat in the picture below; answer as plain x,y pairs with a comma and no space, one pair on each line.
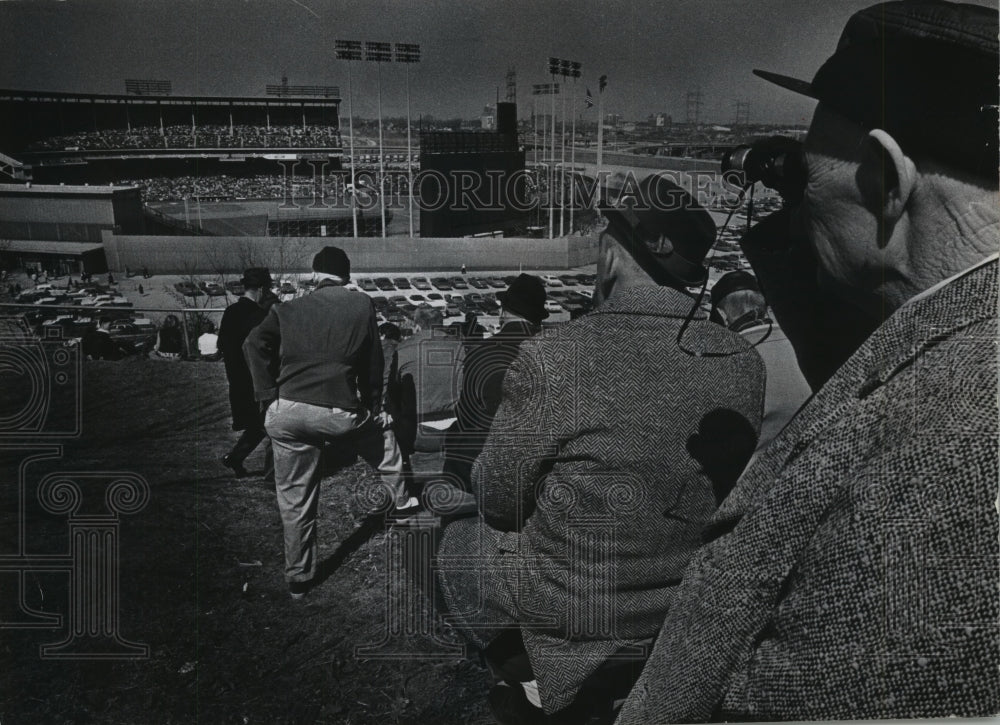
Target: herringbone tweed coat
596,479
860,577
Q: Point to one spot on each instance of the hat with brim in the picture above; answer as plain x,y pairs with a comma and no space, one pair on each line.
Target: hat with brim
257,278
525,297
733,282
925,71
662,227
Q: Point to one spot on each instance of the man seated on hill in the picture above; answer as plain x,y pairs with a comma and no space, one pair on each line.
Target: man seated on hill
486,363
97,344
423,394
852,574
737,303
600,468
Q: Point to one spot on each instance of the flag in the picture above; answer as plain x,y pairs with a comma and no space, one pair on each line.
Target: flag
589,99
602,83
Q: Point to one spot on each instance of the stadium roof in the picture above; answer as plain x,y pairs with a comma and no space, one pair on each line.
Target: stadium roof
36,246
8,95
75,189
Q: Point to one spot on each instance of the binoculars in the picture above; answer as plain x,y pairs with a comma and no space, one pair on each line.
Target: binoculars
777,162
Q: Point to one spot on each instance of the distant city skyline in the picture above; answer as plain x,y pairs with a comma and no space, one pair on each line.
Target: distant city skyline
653,52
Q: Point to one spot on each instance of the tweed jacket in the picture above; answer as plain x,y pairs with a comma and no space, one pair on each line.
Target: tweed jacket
237,321
603,461
854,573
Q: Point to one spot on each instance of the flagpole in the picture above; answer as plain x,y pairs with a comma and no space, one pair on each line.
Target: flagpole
600,140
572,157
534,144
562,171
552,163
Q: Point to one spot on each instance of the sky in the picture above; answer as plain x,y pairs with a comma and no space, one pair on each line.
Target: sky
654,52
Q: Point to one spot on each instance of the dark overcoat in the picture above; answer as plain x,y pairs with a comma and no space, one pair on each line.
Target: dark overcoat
486,364
237,322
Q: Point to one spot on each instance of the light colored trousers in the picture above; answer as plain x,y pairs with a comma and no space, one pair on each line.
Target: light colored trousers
298,432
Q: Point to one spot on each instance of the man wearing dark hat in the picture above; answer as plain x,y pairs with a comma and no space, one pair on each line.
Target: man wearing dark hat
486,363
737,303
594,481
237,321
317,368
853,571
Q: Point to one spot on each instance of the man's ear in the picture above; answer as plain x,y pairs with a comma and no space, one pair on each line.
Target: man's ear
899,176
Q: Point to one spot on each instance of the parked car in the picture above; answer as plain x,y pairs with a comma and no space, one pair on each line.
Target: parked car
436,300
421,283
569,280
452,310
496,283
459,283
397,299
187,288
551,280
235,287
94,301
478,283
212,289
287,288
417,299
552,306
401,282
385,284
441,283
367,285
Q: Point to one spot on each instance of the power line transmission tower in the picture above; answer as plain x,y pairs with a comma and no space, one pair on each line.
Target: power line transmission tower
742,113
512,84
694,99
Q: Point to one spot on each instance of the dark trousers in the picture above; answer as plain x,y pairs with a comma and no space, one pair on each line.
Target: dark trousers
249,439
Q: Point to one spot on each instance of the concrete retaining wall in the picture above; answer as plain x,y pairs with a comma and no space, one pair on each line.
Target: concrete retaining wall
231,255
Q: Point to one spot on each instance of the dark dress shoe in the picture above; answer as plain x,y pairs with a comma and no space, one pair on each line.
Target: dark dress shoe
236,468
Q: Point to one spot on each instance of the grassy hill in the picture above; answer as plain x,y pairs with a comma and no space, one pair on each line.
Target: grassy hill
201,583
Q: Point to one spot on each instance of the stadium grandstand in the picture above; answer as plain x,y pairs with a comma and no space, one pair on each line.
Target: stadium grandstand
98,138
202,165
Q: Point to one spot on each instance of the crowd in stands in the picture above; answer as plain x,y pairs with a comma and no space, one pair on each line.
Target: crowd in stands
207,136
259,186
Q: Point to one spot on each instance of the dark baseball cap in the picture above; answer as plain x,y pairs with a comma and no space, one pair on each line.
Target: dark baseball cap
332,260
665,230
923,70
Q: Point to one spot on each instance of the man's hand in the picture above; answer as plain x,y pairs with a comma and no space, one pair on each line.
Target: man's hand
385,420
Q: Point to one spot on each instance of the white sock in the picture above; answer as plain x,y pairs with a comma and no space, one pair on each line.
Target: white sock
531,691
